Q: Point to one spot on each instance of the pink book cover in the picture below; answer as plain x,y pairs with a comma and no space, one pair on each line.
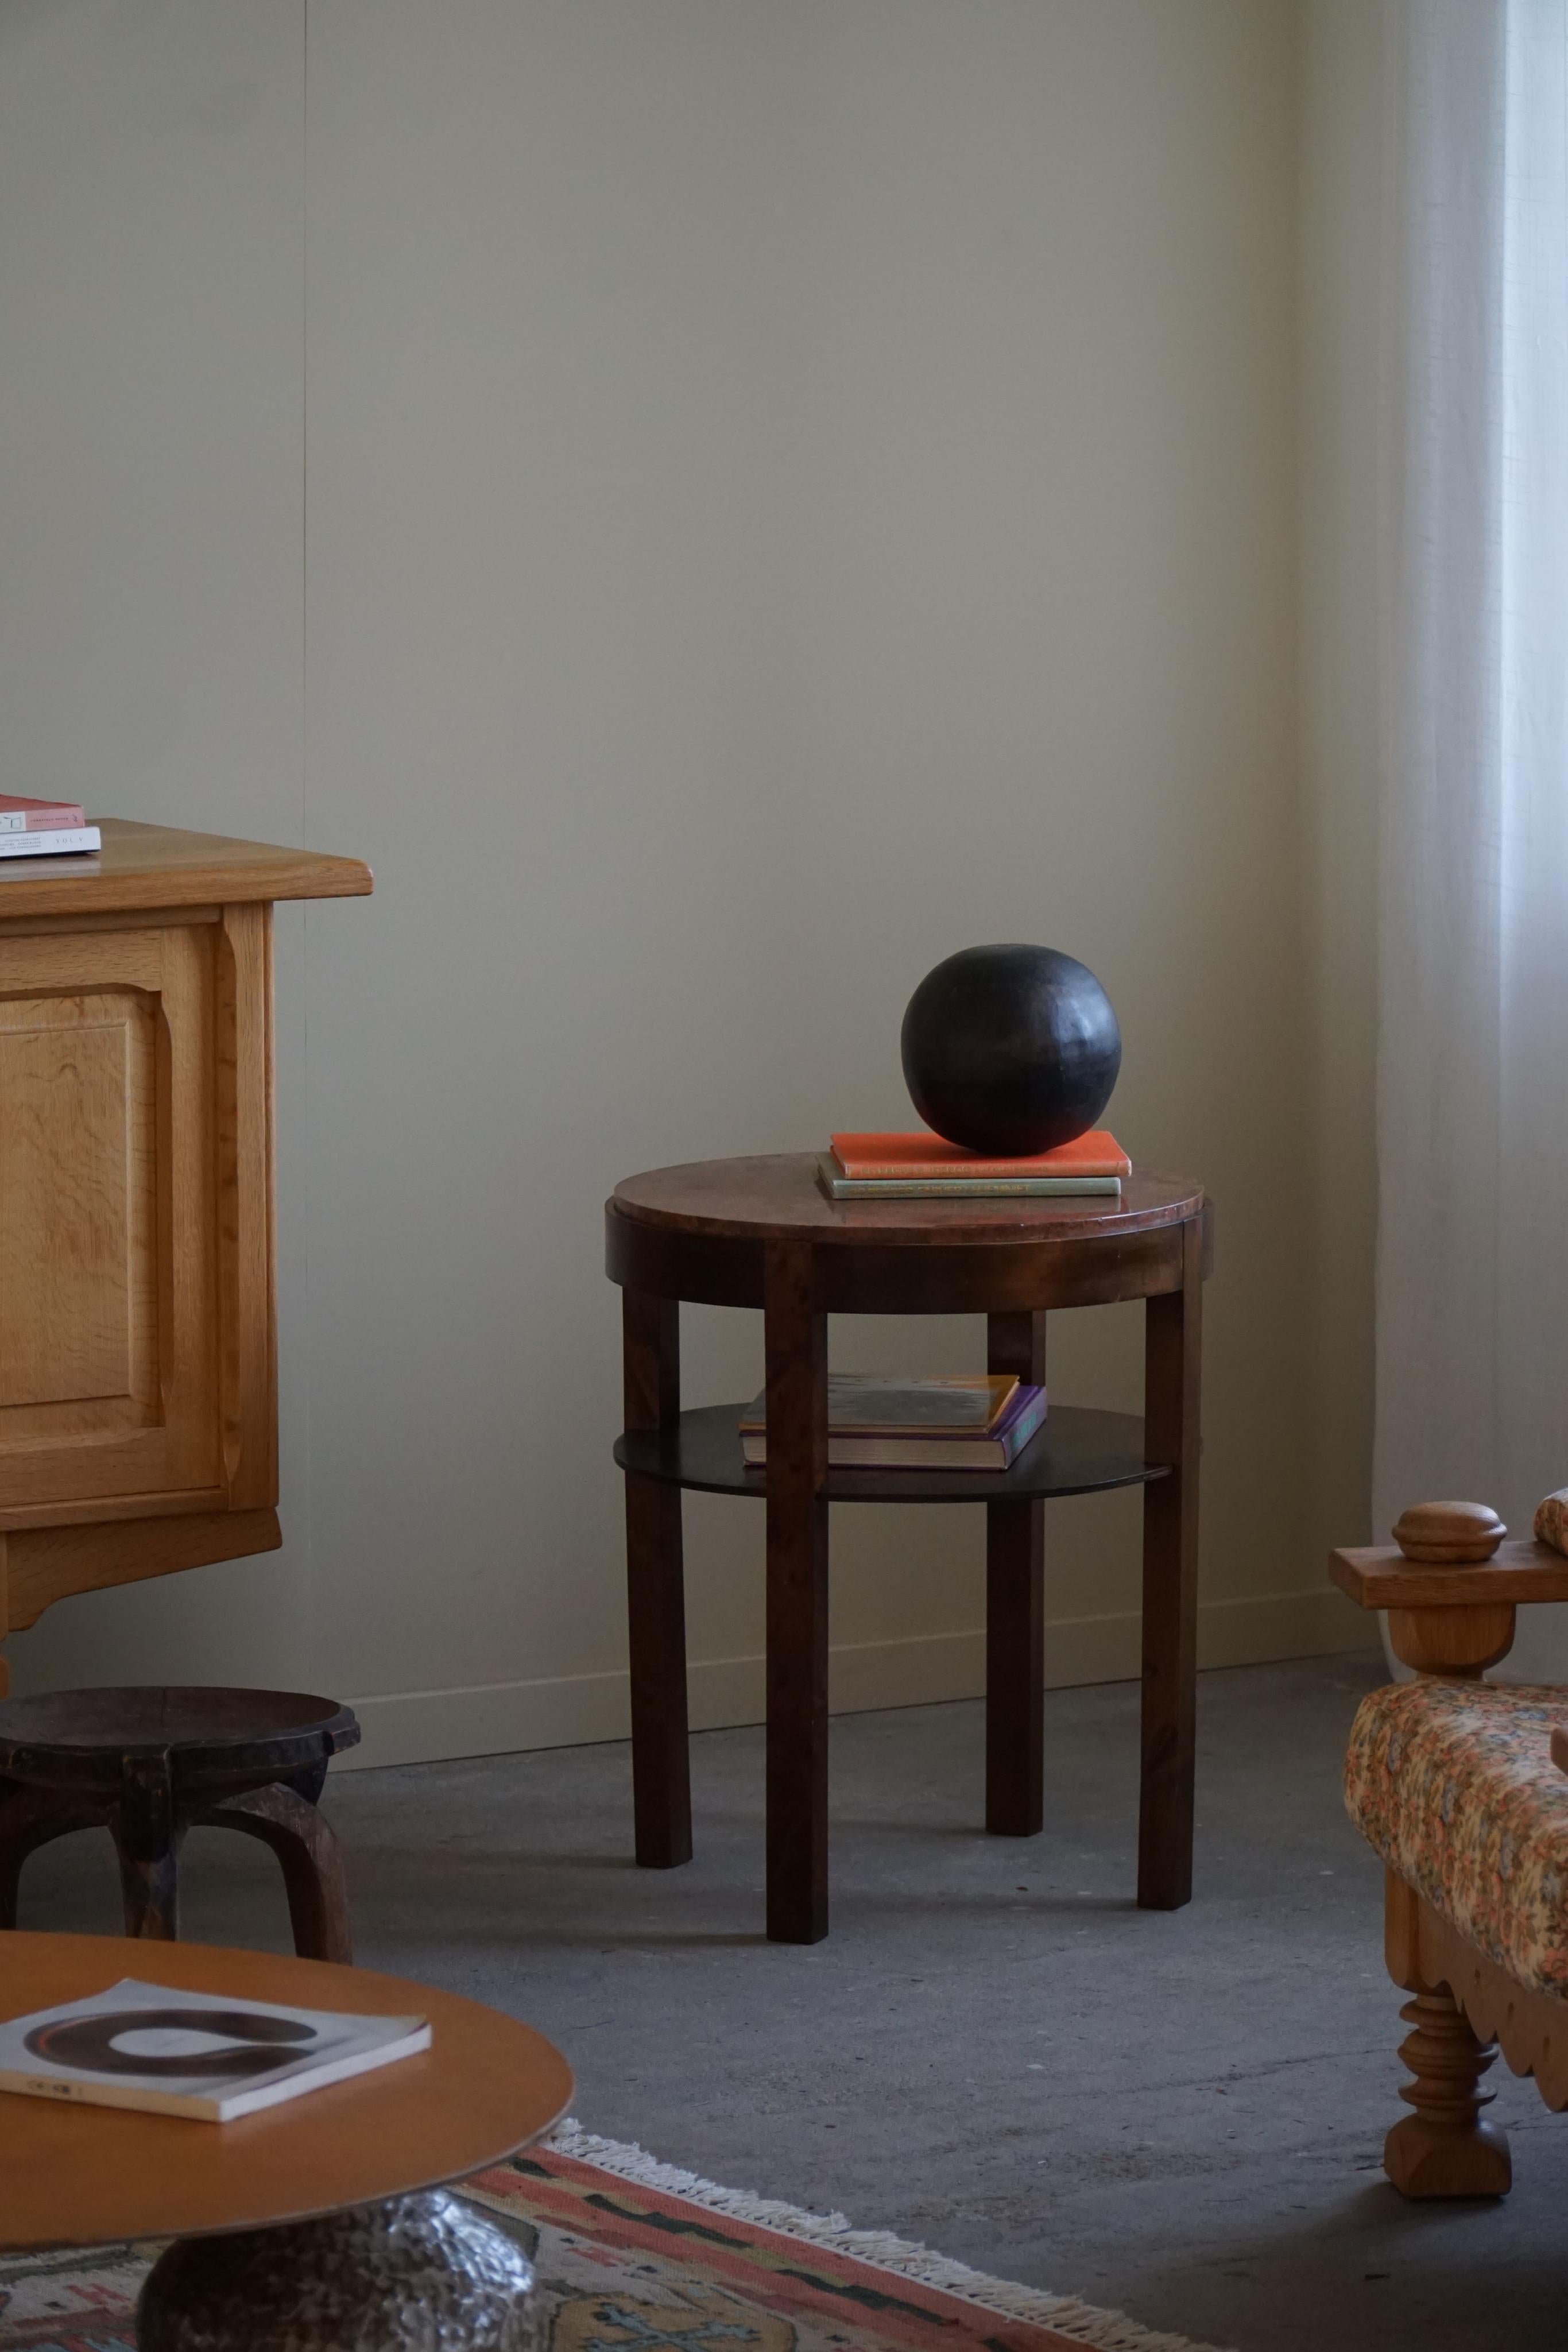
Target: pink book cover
39,816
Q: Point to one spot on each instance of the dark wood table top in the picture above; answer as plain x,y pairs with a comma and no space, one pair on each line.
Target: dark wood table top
88,1739
777,1197
74,2175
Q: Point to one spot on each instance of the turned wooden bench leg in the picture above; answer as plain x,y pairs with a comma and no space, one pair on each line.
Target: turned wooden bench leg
311,1860
1444,2149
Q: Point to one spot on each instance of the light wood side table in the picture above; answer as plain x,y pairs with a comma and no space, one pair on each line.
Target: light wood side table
762,1233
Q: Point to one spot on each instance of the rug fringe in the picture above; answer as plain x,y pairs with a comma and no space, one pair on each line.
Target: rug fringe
1083,2322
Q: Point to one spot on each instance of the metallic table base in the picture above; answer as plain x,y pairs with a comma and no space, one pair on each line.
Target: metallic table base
425,2273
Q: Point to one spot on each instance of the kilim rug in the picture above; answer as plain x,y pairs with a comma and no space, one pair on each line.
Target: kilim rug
631,2255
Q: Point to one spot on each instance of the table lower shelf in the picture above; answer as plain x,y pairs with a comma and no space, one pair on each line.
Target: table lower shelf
1079,1452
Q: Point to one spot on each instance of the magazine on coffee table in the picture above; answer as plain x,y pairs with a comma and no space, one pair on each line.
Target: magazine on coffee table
192,2053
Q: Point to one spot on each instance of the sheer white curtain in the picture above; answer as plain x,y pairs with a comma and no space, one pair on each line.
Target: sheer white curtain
1472,1305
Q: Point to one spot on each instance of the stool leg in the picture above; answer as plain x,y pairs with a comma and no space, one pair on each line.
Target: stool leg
30,1818
149,1892
312,1863
147,1838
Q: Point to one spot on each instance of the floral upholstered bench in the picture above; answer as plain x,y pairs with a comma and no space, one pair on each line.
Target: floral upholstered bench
1455,1784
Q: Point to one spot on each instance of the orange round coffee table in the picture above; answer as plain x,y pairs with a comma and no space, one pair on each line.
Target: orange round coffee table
297,2224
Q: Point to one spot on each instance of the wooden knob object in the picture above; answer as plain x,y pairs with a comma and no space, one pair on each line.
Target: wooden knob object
1449,1535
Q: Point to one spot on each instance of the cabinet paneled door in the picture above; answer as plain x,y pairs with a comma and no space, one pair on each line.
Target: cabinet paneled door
138,1354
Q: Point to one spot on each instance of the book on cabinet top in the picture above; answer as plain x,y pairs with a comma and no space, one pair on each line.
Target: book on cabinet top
72,840
21,814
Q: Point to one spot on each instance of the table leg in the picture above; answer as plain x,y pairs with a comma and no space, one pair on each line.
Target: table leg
1014,1617
797,1349
655,1593
309,1857
1171,1434
148,1835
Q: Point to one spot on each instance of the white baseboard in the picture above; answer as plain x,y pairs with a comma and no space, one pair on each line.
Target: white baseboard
571,1710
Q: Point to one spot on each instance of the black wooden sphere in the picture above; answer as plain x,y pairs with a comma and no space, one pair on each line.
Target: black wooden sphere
1008,1050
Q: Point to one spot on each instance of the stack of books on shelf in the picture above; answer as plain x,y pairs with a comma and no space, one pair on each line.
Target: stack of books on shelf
922,1166
964,1422
30,828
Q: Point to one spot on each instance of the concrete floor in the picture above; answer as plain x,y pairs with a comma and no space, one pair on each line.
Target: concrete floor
1179,2115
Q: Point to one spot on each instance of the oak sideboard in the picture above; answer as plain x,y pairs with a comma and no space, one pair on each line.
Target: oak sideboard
138,1345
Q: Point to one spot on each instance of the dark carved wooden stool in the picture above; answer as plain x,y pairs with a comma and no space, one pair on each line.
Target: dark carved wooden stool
149,1764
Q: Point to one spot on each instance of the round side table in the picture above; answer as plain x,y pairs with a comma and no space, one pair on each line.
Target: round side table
762,1232
298,2225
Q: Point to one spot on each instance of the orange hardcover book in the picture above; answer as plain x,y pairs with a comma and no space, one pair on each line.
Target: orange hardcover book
926,1158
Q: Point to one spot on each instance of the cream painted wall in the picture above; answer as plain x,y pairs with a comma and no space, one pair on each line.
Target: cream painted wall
152,162
722,503
1342,146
